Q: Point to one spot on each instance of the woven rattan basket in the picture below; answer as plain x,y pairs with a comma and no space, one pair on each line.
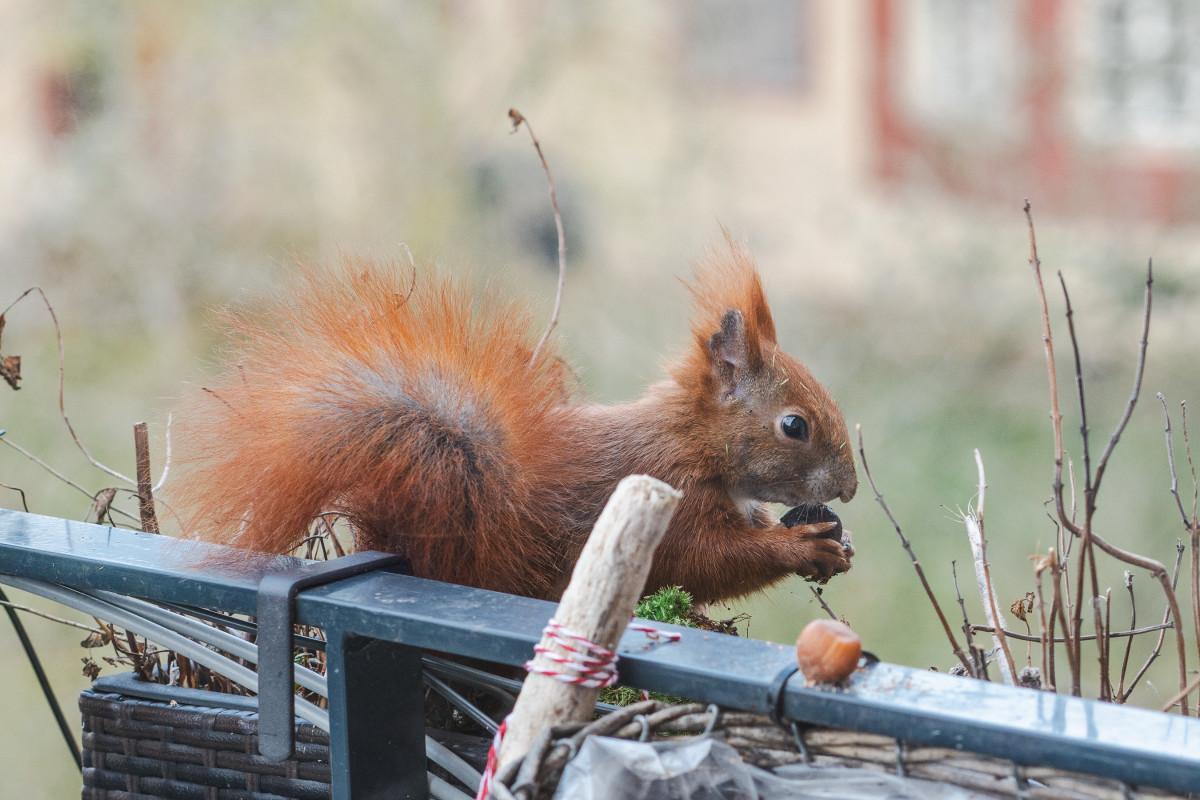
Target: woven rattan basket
763,743
189,744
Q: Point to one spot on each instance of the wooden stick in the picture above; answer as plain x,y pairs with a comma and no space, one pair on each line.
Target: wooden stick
141,446
597,604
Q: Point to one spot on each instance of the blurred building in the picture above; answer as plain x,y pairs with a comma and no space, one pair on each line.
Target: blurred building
1092,105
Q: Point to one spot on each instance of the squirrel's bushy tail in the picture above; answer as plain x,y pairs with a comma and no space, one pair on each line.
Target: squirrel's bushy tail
404,402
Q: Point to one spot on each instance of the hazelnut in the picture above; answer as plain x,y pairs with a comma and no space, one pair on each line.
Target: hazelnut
827,651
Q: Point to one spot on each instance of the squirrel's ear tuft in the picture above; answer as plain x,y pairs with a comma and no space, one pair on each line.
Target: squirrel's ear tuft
727,352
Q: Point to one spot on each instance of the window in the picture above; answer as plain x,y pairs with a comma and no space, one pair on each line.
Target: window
1142,71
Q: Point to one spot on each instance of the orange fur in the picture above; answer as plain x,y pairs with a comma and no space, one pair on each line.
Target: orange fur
412,407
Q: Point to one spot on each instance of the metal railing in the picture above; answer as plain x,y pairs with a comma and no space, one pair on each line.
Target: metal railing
376,624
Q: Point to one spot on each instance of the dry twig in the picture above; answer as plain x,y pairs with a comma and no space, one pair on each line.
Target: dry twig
987,592
1167,617
962,657
977,656
17,489
6,440
518,118
1087,637
62,409
141,447
1120,695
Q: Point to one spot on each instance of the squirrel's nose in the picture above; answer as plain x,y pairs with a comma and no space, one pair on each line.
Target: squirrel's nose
847,494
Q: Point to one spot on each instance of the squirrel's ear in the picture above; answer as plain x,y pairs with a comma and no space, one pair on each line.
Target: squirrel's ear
727,352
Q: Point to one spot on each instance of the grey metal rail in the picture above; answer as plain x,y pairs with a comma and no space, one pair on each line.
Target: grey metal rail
376,624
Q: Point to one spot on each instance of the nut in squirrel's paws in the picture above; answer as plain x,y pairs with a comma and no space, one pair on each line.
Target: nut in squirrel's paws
816,521
817,517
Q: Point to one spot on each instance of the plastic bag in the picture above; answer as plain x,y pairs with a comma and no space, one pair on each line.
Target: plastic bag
709,769
619,769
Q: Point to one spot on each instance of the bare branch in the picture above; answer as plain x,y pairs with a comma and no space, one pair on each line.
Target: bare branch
987,592
4,438
1104,640
1045,632
61,380
51,617
17,489
141,447
1189,524
1120,695
1087,559
1158,571
1087,637
825,606
1187,445
1181,696
1137,382
517,118
1048,344
976,654
962,657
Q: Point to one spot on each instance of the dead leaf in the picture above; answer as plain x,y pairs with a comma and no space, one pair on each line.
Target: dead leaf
1023,606
103,504
99,639
10,370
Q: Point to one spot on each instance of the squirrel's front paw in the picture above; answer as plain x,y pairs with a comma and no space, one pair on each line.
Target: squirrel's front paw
829,547
827,558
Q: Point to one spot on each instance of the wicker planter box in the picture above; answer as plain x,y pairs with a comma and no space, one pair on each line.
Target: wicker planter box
144,741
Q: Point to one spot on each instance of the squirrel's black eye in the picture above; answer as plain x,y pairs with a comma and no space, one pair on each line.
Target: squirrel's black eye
794,427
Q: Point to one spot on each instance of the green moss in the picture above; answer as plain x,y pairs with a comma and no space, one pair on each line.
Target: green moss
670,604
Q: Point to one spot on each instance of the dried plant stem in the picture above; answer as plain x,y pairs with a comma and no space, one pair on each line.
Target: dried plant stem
17,489
51,617
983,577
1167,617
1048,345
1056,423
1138,372
1120,695
1181,696
1044,630
1191,525
62,409
1160,572
1187,446
141,446
1087,559
958,651
825,606
517,118
1105,643
976,654
1087,637
1057,608
56,473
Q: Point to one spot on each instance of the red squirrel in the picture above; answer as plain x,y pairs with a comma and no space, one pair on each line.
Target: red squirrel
427,417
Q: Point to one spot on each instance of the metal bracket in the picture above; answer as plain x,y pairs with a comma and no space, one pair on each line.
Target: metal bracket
276,595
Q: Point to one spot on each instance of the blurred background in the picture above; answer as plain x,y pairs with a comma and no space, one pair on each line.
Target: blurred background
158,159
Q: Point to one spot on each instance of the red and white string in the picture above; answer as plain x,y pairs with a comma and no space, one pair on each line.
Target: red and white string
577,661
